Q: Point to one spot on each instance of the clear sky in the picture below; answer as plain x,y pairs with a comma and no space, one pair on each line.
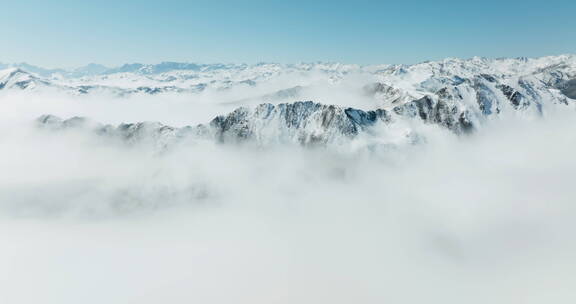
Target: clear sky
66,33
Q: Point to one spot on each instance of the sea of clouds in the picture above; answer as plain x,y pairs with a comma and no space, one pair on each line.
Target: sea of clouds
487,218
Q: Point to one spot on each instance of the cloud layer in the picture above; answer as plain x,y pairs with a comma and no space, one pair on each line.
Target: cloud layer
486,218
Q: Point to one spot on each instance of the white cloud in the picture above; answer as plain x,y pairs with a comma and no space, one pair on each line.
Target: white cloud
480,219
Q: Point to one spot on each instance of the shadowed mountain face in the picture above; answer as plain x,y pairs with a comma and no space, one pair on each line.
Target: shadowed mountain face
569,88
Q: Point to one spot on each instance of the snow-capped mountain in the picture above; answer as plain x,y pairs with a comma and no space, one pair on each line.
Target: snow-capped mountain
15,78
387,84
170,77
304,123
455,94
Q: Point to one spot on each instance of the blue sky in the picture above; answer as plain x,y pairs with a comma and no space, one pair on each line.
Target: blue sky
64,33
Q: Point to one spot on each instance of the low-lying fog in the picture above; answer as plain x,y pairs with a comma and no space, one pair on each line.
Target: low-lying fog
482,219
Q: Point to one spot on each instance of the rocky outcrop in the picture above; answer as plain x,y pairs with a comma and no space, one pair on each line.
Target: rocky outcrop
516,98
568,88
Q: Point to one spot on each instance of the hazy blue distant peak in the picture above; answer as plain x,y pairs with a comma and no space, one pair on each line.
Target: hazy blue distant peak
126,68
168,66
90,69
452,66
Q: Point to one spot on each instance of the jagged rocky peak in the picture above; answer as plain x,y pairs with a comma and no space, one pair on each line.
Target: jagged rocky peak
442,111
305,122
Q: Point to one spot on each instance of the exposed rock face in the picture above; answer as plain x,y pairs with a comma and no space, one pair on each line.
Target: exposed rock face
516,98
568,88
442,112
486,99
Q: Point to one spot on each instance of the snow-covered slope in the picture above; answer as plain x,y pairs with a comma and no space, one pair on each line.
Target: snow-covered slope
15,78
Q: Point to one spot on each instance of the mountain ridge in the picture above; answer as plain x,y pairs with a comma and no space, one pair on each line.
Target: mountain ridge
186,65
402,83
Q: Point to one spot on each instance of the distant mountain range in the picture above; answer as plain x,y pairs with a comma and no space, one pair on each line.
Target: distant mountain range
458,95
388,83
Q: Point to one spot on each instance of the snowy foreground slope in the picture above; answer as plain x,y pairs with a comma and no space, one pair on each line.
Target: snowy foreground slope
453,94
